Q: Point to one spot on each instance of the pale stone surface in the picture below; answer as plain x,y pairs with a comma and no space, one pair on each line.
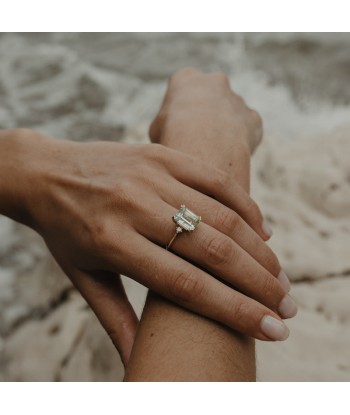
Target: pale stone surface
108,87
68,344
30,281
318,346
304,189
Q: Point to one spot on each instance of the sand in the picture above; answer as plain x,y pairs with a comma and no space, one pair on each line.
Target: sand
87,87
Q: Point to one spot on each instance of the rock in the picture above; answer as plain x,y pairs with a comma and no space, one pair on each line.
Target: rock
31,281
303,188
94,358
68,344
109,86
317,349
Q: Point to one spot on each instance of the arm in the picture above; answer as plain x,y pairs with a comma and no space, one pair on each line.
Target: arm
173,344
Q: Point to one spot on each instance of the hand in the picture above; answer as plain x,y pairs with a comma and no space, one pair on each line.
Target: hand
105,209
196,102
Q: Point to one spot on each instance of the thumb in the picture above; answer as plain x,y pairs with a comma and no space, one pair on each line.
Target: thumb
105,294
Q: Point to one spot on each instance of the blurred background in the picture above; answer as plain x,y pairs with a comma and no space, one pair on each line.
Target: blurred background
83,87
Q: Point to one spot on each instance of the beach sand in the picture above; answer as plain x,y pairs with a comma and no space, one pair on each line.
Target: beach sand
86,87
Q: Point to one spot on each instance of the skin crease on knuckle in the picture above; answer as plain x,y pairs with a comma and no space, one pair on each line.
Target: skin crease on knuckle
273,291
253,211
264,255
245,316
157,154
106,243
105,234
125,195
220,181
271,262
227,221
185,287
218,251
237,313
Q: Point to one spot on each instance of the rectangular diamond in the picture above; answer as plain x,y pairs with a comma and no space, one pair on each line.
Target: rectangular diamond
187,219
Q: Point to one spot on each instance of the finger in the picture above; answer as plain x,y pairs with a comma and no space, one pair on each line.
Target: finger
217,184
223,257
105,294
194,289
226,221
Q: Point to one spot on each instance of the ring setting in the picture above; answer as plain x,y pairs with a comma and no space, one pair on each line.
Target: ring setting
185,219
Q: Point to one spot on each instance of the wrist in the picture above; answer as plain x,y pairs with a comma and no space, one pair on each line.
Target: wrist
197,136
21,151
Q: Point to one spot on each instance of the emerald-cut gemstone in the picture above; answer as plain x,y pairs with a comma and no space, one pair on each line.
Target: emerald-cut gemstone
187,219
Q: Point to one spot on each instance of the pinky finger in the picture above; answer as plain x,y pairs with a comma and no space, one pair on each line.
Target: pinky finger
105,294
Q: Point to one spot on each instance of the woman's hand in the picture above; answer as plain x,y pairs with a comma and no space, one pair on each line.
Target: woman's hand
105,209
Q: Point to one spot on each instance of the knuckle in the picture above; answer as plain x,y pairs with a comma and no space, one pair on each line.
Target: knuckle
272,263
98,244
221,180
221,78
156,152
239,100
270,288
98,236
219,251
105,244
227,221
256,118
183,74
253,208
113,249
238,314
122,195
186,286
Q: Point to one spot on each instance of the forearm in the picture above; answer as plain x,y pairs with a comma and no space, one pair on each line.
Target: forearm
12,175
5,174
173,344
22,154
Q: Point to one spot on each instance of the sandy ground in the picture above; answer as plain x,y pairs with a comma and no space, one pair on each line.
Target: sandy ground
87,87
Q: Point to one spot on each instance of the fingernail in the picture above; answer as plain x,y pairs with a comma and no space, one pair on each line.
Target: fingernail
274,329
287,307
267,229
284,280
